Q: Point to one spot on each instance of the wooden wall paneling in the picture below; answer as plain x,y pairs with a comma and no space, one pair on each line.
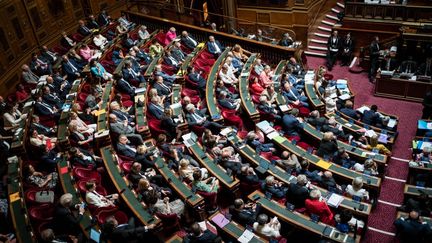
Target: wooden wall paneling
247,14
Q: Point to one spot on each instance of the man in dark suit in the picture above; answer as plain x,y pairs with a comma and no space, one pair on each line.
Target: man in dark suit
291,126
67,41
298,192
214,46
128,232
140,55
171,60
124,86
374,53
266,108
51,99
123,128
92,23
162,87
83,29
347,48
47,55
41,129
408,66
333,44
197,78
39,66
349,111
197,235
371,117
129,73
177,52
286,40
155,108
244,214
104,18
196,118
45,109
412,229
228,103
65,220
390,62
247,175
71,68
188,41
315,120
123,148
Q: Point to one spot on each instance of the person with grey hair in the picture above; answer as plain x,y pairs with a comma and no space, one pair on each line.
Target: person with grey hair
356,189
194,117
268,228
252,140
316,205
291,125
244,213
228,103
48,236
266,108
65,220
276,188
425,155
214,46
298,192
286,40
119,127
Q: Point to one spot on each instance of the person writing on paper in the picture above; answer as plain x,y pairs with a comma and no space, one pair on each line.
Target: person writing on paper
268,228
198,235
99,201
356,189
373,145
316,205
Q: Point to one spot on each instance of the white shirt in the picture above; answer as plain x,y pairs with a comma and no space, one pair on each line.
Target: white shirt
99,40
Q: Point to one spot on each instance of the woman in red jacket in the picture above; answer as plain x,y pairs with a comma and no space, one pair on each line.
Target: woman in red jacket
316,205
255,87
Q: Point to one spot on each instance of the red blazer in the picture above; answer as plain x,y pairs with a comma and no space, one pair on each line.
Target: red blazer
321,209
256,88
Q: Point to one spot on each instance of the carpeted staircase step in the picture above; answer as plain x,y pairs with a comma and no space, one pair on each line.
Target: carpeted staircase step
332,17
321,34
327,23
317,53
340,5
326,29
335,10
319,41
317,47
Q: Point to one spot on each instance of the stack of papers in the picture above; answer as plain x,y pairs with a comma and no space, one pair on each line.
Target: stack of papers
140,90
363,109
334,200
189,139
345,97
265,127
391,123
382,138
246,236
284,108
370,133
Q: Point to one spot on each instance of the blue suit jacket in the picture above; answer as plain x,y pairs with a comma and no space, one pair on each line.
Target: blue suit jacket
155,111
226,104
212,49
350,112
68,70
199,80
291,125
161,90
123,87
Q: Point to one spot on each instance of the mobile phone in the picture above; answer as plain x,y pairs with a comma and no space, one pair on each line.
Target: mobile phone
83,205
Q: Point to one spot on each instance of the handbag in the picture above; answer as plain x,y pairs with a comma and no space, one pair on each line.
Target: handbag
44,197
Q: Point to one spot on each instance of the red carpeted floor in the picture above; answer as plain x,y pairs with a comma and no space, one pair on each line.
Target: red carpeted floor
381,220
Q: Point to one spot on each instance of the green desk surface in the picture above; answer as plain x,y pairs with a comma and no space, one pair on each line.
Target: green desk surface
140,112
18,209
106,95
353,151
294,218
415,190
352,127
181,188
64,117
151,67
120,182
174,239
235,230
214,111
190,57
69,187
248,153
373,183
278,72
212,167
245,96
314,99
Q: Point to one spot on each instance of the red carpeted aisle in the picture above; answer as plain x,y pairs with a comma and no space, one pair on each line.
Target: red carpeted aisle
381,220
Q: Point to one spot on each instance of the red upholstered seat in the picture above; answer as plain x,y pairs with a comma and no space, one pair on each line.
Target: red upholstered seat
77,37
155,127
42,213
210,199
126,167
87,174
30,195
170,222
231,119
82,96
120,216
82,187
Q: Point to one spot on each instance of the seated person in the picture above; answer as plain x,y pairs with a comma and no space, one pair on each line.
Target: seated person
163,88
99,40
214,46
286,40
37,140
128,232
228,103
42,129
130,73
230,160
123,147
188,40
143,32
259,67
124,86
265,77
64,217
81,157
276,188
39,66
136,174
20,93
328,182
293,97
271,94
328,146
119,127
171,61
342,158
40,180
227,77
186,170
161,204
413,229
117,55
298,192
255,87
266,108
315,120
12,116
51,98
314,176
222,87
248,176
196,77
244,213
336,129
349,111
98,71
356,189
199,235
289,161
316,205
71,67
371,117
252,140
346,223
155,49
194,117
374,146
86,52
95,199
79,138
369,165
268,228
177,52
170,35
28,76
82,127
291,124
121,114
425,155
83,29
66,41
210,184
240,53
169,79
